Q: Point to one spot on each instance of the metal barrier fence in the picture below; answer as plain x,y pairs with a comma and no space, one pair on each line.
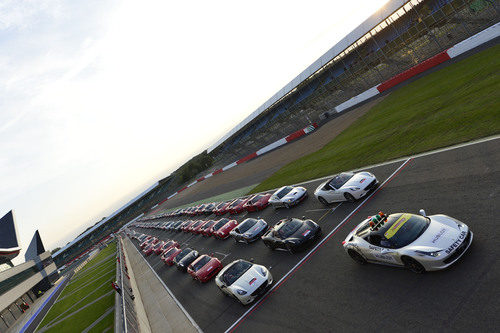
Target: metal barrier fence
125,308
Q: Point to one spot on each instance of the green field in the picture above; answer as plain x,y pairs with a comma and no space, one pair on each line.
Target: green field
85,288
458,103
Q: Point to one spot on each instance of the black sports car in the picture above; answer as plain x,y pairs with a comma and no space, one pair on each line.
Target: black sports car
292,234
185,258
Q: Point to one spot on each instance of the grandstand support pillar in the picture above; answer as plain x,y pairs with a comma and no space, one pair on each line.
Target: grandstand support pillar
366,65
426,27
381,49
404,42
461,21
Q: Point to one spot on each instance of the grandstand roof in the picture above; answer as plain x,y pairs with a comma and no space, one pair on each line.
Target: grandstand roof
83,235
371,22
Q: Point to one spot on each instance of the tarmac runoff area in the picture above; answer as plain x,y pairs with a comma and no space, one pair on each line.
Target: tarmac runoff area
322,289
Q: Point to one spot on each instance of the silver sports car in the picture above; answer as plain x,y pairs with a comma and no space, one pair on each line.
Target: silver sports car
418,242
288,196
249,230
346,186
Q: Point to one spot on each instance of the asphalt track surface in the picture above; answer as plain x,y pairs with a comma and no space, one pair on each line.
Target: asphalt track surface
322,289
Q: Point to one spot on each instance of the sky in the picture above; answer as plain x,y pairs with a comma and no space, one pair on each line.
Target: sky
100,99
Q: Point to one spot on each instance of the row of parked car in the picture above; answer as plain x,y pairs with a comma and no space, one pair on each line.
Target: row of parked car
290,234
346,186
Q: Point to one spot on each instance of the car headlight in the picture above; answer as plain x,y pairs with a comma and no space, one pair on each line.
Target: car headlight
430,254
263,271
241,292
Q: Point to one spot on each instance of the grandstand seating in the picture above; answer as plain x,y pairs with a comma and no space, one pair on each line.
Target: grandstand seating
422,31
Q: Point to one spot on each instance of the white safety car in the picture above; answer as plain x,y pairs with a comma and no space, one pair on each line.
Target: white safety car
347,186
244,280
288,196
418,242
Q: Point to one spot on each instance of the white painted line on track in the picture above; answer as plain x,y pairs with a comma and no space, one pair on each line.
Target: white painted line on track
171,294
310,253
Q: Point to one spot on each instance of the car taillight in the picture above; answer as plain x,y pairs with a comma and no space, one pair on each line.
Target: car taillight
343,242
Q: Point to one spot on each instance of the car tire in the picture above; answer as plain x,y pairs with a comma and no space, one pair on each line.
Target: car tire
356,257
413,265
349,197
270,246
323,201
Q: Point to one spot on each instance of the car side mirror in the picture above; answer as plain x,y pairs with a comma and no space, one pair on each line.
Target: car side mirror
422,212
252,260
303,217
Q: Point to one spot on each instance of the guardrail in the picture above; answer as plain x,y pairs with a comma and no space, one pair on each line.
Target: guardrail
124,309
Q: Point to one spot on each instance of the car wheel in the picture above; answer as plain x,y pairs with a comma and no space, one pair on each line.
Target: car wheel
270,246
413,265
323,201
349,197
356,257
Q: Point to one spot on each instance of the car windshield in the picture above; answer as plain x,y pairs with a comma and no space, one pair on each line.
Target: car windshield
235,271
168,244
182,254
339,180
402,229
245,225
207,225
157,246
289,228
256,198
196,224
200,263
170,252
284,192
237,202
220,224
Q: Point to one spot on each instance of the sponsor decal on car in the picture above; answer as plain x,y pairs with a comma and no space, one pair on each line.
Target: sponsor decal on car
456,243
252,281
438,235
305,233
397,225
362,180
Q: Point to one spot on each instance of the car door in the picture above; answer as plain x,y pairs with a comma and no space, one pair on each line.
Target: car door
380,254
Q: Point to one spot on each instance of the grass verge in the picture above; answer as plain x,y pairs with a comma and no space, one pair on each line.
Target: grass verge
458,103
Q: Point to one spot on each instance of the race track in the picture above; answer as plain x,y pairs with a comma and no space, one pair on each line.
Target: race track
322,289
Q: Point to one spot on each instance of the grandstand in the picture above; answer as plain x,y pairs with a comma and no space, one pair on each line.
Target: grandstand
395,38
398,36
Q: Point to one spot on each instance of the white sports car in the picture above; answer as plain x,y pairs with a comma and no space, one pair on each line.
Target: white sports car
418,242
244,280
346,186
288,196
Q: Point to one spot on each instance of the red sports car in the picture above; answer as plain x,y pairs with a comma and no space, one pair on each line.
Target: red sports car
195,225
186,226
224,231
166,246
145,241
205,229
237,206
222,208
257,202
168,257
204,268
217,225
151,241
197,229
149,249
155,248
